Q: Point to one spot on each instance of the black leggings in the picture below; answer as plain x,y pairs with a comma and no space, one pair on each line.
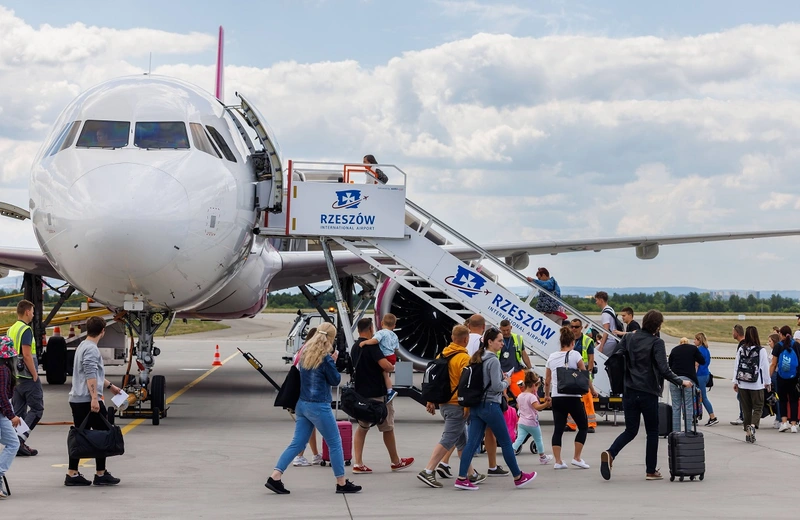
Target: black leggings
79,413
564,406
788,396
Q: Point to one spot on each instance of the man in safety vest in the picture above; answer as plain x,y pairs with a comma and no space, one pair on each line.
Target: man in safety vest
513,357
585,345
28,399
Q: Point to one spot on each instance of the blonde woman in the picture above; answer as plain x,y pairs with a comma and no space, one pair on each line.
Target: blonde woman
317,375
703,375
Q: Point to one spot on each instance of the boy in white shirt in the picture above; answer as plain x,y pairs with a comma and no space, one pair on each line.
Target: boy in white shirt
389,343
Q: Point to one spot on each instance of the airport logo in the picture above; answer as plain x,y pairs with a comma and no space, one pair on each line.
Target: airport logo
348,199
467,282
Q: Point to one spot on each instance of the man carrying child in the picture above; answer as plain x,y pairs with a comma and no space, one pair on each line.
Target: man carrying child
387,340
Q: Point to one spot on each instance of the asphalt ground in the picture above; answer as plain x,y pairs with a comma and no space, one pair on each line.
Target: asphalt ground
211,457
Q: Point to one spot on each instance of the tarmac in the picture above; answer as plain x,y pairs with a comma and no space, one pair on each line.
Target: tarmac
211,456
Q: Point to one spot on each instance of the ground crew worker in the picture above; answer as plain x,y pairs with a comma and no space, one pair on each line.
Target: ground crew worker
28,400
585,345
513,357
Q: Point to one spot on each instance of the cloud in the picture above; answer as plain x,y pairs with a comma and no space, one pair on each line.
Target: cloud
505,138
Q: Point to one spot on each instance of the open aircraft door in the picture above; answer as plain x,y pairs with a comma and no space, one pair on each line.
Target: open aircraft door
267,162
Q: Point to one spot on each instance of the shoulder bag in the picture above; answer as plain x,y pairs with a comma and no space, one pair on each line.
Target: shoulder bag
289,393
91,444
572,381
362,408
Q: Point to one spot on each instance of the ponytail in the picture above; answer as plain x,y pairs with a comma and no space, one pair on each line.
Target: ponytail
477,357
567,339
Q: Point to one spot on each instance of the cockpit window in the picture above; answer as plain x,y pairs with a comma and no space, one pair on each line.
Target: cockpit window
202,141
104,134
159,135
65,138
226,151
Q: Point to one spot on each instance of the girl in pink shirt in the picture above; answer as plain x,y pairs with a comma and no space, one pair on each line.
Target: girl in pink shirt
529,406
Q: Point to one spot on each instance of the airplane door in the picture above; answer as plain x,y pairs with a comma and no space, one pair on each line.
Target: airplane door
269,169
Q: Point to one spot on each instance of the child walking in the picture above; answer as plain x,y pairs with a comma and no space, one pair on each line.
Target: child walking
529,406
8,421
388,342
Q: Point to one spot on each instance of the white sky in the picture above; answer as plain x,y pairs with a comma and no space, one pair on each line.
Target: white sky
569,121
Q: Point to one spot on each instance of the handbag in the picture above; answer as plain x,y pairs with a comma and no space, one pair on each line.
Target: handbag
571,381
289,393
91,444
363,409
710,382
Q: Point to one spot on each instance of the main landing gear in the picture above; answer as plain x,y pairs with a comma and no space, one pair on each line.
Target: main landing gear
143,388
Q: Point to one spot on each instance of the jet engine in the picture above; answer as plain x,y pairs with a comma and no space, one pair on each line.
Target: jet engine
423,330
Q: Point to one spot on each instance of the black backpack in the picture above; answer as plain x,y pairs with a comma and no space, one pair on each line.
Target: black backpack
617,322
749,370
470,386
436,381
615,368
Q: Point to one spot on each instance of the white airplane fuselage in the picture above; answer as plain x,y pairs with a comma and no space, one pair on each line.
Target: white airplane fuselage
170,224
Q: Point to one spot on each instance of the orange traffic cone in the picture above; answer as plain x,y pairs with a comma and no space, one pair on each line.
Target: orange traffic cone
57,331
217,362
71,332
44,338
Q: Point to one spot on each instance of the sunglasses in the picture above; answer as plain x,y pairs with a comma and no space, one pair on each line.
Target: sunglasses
576,326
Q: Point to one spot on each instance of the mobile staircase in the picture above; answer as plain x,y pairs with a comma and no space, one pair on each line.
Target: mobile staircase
409,245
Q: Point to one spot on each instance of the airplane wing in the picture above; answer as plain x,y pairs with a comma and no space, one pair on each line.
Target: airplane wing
309,266
27,260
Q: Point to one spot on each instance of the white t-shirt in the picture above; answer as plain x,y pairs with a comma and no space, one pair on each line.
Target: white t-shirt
556,360
611,342
474,343
797,334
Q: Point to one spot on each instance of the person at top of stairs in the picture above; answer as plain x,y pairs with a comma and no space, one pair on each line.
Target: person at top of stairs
546,304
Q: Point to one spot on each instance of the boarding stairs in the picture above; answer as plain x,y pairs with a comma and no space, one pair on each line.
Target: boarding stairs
439,265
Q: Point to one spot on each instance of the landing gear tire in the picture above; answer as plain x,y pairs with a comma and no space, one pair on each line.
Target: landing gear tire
56,361
158,393
111,413
156,415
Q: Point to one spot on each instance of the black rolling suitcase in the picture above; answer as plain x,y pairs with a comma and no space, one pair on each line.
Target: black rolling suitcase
687,454
664,419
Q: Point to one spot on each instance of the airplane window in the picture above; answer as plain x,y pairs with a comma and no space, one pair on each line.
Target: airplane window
158,135
104,134
202,141
66,138
226,151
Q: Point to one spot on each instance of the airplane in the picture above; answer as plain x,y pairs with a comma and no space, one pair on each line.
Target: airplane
148,196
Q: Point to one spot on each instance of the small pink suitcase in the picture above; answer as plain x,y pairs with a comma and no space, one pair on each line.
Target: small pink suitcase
346,433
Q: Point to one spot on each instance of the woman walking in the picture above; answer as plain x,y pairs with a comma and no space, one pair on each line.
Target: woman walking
750,377
704,375
566,404
784,365
317,375
488,413
8,421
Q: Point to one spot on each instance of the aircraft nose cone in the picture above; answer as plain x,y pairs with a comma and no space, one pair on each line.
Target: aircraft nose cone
130,221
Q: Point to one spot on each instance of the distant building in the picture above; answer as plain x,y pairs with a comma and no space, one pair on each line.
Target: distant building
726,295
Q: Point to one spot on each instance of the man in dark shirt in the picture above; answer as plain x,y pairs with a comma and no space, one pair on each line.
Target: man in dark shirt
631,325
369,364
683,360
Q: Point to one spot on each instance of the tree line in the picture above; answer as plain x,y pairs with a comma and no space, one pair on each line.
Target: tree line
691,302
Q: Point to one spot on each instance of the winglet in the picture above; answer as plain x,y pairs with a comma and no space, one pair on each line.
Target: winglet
219,84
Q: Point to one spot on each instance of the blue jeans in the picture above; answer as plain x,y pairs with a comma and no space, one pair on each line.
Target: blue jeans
638,404
703,381
682,400
9,439
309,415
523,430
488,414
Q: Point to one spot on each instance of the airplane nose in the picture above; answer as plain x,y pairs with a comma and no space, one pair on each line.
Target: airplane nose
132,219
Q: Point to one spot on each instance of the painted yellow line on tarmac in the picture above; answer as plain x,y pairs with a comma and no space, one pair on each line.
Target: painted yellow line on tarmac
130,426
133,424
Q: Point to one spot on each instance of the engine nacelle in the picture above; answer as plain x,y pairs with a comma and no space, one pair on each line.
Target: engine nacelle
243,296
423,330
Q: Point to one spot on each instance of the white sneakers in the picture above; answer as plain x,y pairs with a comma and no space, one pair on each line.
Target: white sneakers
580,464
776,424
563,465
794,428
300,461
545,459
783,427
